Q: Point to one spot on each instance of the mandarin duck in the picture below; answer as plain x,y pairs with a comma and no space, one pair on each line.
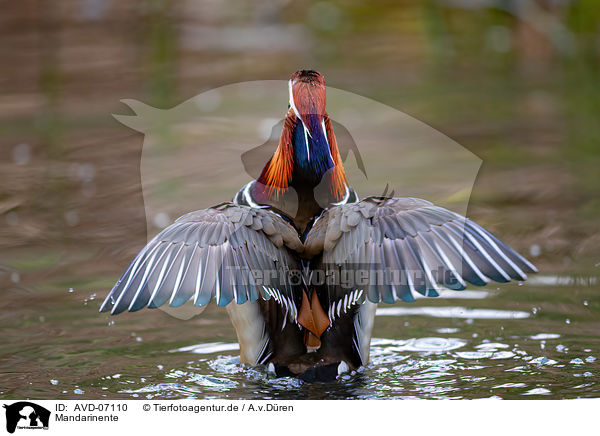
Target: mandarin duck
301,263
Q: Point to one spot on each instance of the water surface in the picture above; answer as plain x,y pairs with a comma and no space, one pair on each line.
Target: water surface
530,340
516,86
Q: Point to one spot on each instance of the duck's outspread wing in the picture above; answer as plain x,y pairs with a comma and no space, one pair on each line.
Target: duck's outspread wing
386,249
228,252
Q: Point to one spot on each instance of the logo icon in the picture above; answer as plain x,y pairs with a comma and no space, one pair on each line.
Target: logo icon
26,415
245,119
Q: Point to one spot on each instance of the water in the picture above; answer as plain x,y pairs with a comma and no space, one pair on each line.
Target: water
72,213
513,343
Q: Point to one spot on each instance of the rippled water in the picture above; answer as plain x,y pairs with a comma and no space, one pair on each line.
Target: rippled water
532,340
70,198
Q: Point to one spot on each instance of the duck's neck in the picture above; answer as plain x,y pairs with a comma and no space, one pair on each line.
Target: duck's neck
306,168
312,154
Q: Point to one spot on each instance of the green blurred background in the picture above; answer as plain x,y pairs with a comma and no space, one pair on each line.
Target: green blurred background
515,82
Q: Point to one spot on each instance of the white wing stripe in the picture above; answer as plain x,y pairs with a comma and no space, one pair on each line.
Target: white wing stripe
177,280
501,253
464,255
149,267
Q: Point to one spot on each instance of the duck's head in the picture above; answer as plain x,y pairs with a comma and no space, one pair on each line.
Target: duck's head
308,99
307,146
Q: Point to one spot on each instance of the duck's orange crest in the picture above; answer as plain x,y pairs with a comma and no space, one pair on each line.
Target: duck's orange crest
338,176
278,173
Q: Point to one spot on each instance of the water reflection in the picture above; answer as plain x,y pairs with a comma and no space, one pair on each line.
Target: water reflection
73,213
425,349
212,347
431,367
453,312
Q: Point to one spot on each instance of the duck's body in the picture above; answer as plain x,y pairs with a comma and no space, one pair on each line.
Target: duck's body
300,263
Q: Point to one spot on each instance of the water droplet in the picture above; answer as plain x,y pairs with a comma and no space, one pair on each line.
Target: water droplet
590,359
71,218
568,321
78,391
21,154
54,382
86,172
161,220
585,302
535,250
70,290
139,339
576,361
12,218
587,374
160,367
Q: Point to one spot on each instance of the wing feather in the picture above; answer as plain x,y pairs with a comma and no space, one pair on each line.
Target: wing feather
186,288
215,253
424,246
